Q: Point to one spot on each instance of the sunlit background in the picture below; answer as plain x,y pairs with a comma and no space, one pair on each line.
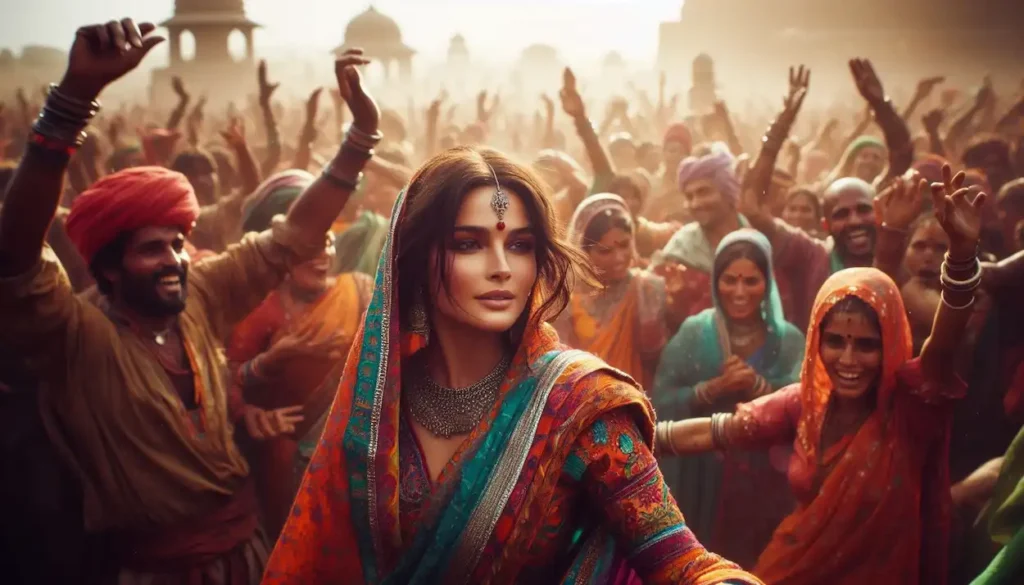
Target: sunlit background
494,29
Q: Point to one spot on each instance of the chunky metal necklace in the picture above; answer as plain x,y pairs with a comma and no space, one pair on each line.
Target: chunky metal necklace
447,412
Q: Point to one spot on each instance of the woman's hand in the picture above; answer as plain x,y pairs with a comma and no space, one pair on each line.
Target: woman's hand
737,377
868,83
269,424
958,210
572,103
365,113
899,204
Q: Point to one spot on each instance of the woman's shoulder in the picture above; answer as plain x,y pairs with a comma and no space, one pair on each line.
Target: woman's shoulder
696,322
588,387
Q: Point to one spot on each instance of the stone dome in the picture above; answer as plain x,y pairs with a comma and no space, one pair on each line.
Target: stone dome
372,28
196,6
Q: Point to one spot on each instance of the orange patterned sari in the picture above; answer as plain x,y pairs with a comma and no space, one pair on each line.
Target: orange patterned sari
874,508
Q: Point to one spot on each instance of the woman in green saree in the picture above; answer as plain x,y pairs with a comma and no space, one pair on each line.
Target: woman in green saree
738,350
465,443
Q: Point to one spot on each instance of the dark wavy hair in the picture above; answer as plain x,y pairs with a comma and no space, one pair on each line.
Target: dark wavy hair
434,197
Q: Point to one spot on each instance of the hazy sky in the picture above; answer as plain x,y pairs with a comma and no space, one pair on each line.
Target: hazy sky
580,29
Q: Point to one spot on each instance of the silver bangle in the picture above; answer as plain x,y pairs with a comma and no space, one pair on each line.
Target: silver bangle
961,285
960,265
969,304
663,436
718,433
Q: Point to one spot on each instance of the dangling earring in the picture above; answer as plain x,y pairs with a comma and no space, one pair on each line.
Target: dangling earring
418,321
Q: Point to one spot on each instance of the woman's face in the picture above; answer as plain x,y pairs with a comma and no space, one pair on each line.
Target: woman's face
313,274
851,351
868,163
491,272
612,255
741,288
928,246
800,212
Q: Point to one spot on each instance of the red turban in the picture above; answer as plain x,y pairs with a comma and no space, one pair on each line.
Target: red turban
126,201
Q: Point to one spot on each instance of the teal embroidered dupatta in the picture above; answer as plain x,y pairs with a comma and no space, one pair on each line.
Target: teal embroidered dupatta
344,525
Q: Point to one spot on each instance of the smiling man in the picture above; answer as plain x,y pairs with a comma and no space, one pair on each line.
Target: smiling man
133,386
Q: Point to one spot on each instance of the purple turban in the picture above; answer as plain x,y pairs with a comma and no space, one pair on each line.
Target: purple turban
717,166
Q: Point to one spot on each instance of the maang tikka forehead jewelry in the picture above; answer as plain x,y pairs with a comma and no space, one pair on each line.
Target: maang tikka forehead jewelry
499,201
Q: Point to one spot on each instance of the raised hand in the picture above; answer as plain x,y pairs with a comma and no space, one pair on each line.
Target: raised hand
572,103
933,119
365,113
549,105
103,53
234,135
958,210
266,89
434,111
985,94
179,88
868,83
799,85
926,86
899,204
312,105
268,424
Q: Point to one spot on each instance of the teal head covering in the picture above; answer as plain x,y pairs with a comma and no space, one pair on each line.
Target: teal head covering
771,304
274,196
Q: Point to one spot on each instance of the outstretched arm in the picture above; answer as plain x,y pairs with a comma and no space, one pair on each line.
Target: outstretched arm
753,200
958,210
647,525
894,127
319,205
572,103
100,55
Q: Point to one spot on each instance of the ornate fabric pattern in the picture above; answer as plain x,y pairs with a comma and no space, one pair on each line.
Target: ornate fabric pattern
348,518
878,510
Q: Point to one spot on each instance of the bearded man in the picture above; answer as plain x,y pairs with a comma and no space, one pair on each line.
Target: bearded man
134,387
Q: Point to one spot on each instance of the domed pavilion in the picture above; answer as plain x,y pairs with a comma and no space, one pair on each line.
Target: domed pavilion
380,38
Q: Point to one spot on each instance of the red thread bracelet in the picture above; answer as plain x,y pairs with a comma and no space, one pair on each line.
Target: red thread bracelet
52,144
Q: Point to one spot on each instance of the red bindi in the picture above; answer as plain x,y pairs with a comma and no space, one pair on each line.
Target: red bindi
501,226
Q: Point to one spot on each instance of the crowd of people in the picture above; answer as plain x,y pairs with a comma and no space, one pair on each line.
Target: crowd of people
666,349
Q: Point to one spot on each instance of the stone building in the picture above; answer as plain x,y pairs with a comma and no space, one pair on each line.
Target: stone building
755,41
210,70
380,38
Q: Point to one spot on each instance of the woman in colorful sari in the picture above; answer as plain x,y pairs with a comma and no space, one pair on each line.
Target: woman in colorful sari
869,425
735,352
288,351
490,454
623,321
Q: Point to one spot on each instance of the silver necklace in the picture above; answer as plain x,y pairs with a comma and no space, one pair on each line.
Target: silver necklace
447,412
160,337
